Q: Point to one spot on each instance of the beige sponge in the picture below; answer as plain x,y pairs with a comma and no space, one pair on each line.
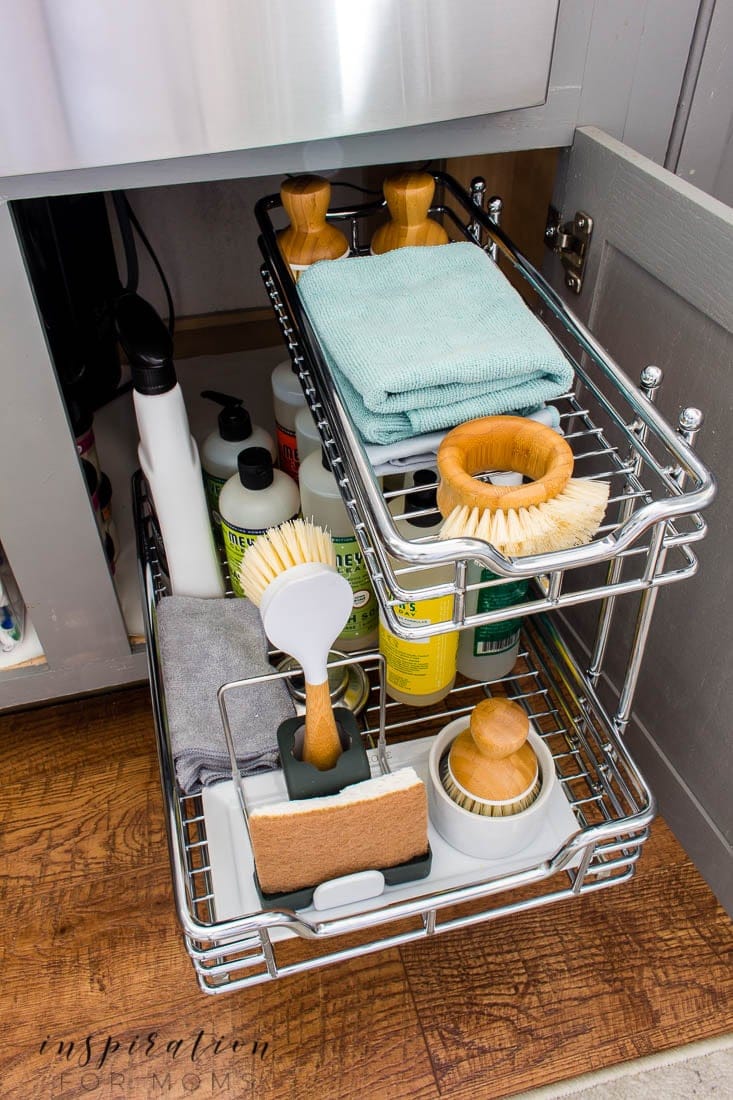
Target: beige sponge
378,823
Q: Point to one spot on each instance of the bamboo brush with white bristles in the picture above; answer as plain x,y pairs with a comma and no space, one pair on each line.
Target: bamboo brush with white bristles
290,574
293,543
490,768
553,511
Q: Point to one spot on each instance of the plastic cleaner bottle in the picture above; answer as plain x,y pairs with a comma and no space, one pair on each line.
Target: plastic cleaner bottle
167,451
287,397
490,652
321,501
82,422
307,436
420,673
254,499
220,449
12,609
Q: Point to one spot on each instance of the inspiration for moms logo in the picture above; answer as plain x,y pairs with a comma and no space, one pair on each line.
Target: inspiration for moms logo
152,1061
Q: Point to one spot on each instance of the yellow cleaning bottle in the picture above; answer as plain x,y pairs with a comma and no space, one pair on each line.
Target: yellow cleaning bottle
420,673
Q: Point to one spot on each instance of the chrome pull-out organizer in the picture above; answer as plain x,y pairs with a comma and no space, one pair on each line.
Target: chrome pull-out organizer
600,818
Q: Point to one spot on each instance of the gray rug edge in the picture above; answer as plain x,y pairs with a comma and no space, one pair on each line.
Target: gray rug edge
663,1075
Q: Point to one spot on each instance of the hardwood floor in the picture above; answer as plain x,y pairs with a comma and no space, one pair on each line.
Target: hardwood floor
93,956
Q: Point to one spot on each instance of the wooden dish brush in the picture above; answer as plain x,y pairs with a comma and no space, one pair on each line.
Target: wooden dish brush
290,574
553,511
490,768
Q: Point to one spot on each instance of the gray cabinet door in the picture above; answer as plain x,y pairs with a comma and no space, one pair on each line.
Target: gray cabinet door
659,289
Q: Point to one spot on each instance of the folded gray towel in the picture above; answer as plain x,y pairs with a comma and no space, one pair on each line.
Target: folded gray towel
204,644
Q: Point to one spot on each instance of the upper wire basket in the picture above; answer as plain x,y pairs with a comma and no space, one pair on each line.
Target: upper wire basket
658,485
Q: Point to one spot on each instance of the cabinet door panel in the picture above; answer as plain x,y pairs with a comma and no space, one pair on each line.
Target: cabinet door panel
659,289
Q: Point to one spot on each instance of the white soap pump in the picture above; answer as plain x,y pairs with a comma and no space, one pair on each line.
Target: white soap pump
220,450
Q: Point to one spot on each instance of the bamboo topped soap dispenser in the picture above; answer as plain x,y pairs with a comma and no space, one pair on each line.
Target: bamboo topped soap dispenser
408,196
309,237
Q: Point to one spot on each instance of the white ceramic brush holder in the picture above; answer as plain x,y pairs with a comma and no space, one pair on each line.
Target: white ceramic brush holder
475,834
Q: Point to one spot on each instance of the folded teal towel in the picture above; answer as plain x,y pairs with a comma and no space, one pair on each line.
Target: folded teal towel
421,339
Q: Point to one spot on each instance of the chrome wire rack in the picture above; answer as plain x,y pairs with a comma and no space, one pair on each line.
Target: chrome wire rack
608,805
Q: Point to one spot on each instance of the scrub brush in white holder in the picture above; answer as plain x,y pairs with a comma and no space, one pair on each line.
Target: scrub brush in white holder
290,574
552,511
491,769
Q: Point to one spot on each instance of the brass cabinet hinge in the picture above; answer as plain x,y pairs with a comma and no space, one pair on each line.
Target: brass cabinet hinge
570,240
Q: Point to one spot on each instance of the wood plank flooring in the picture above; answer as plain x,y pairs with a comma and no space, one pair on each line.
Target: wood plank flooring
92,955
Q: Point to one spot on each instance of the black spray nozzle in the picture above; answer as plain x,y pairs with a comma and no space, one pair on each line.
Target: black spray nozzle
234,421
147,343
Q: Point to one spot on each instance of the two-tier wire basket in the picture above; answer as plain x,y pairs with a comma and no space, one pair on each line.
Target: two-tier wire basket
658,489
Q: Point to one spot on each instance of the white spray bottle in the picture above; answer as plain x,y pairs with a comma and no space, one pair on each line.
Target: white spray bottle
167,452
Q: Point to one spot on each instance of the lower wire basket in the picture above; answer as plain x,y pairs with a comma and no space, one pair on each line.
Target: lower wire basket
598,822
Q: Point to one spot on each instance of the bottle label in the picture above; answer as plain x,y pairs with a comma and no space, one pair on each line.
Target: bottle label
213,486
350,564
236,541
498,637
9,628
287,450
425,666
8,640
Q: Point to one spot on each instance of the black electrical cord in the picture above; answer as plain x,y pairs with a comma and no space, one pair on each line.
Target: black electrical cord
121,205
141,234
357,187
341,183
127,221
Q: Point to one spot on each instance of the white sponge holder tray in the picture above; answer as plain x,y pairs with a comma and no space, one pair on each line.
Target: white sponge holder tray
347,889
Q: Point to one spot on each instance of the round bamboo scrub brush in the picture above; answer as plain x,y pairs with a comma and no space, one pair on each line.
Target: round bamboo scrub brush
552,511
490,768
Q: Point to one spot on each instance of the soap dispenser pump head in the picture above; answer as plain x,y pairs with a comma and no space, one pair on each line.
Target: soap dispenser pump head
235,424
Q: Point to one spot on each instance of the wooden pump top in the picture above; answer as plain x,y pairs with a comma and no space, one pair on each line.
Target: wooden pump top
309,237
408,196
491,759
